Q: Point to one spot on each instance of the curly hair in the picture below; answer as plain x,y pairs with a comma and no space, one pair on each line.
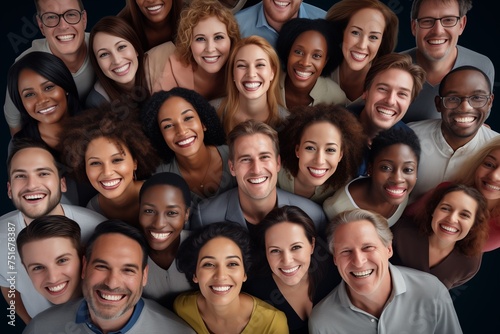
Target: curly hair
352,134
133,15
229,106
189,249
106,122
473,242
214,135
394,136
293,28
341,12
398,61
51,68
195,12
116,26
463,7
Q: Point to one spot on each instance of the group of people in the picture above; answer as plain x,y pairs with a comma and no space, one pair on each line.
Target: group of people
195,166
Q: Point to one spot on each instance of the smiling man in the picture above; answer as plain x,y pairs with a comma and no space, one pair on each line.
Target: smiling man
464,101
255,162
375,296
114,273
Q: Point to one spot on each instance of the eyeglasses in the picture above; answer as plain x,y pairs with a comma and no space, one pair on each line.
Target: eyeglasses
51,20
446,22
475,101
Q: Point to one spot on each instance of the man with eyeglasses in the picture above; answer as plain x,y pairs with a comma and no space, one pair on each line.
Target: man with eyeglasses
437,25
63,23
464,101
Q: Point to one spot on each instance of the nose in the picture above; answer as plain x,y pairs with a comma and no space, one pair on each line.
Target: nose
287,257
52,275
305,60
362,42
319,157
465,105
397,176
391,97
115,59
358,258
251,72
210,46
181,129
495,174
438,27
111,280
107,169
41,98
220,272
159,220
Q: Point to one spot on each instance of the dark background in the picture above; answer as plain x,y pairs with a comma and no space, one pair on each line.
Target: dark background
477,302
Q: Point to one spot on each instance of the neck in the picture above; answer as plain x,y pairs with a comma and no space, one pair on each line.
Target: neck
196,161
303,188
439,246
73,61
57,210
370,130
375,302
129,198
255,109
454,141
112,325
437,69
292,90
254,210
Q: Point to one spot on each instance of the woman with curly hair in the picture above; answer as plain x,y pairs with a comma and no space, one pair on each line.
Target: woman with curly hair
392,175
216,260
252,85
446,237
154,23
309,53
368,29
187,134
197,60
107,148
321,148
118,59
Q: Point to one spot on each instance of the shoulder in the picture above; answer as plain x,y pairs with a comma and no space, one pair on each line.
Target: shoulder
55,318
425,125
311,12
159,318
249,12
266,316
76,212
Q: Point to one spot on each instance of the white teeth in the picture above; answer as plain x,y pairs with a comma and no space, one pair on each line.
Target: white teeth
252,85
57,288
111,297
65,38
153,8
291,270
46,111
122,69
281,4
160,236
35,196
221,288
303,74
110,183
318,172
186,141
359,56
395,191
211,59
492,187
449,229
364,273
385,111
257,181
437,41
464,119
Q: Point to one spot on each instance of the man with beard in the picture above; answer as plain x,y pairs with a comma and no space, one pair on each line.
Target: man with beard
35,186
114,274
464,101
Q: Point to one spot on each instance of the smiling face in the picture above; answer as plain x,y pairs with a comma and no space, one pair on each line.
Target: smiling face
64,39
181,126
279,12
110,169
307,59
117,58
362,260
319,153
437,43
255,167
35,186
53,266
113,278
288,252
220,271
453,217
388,98
252,72
210,45
162,215
155,10
43,100
362,38
394,173
487,177
462,124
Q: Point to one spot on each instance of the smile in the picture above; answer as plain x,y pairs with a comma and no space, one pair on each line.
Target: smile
160,236
386,112
111,183
34,197
65,38
221,288
436,41
122,69
491,187
358,56
464,120
290,271
186,141
317,172
304,75
258,180
281,4
448,228
110,297
154,8
211,60
252,85
57,288
362,274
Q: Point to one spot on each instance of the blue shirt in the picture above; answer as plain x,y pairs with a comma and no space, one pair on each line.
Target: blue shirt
252,20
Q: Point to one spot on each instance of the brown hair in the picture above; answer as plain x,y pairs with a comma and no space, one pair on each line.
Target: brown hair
252,127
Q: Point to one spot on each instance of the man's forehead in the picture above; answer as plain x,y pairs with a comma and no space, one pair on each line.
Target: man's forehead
32,158
257,140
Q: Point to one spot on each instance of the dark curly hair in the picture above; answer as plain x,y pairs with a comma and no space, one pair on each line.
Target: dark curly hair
473,242
123,129
295,27
214,135
393,136
353,139
189,249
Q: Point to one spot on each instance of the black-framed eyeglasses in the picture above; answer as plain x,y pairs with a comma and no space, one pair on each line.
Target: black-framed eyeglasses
446,21
51,20
475,101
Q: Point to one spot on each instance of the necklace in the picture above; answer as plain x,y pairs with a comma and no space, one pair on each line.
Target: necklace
208,167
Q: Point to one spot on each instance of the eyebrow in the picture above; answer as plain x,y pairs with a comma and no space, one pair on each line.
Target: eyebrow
210,257
120,41
31,88
313,142
112,155
392,161
371,32
182,113
126,265
292,244
40,169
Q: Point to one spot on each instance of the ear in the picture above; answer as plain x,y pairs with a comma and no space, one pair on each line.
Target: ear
40,25
390,252
135,165
297,151
84,19
145,275
64,187
341,154
363,96
245,277
231,167
413,27
272,76
437,102
188,212
313,244
195,279
9,190
462,23
84,267
278,164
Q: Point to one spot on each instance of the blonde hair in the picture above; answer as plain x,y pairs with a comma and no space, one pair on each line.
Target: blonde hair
230,105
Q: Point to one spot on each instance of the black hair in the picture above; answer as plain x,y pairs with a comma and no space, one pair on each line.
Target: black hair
393,136
463,68
171,179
